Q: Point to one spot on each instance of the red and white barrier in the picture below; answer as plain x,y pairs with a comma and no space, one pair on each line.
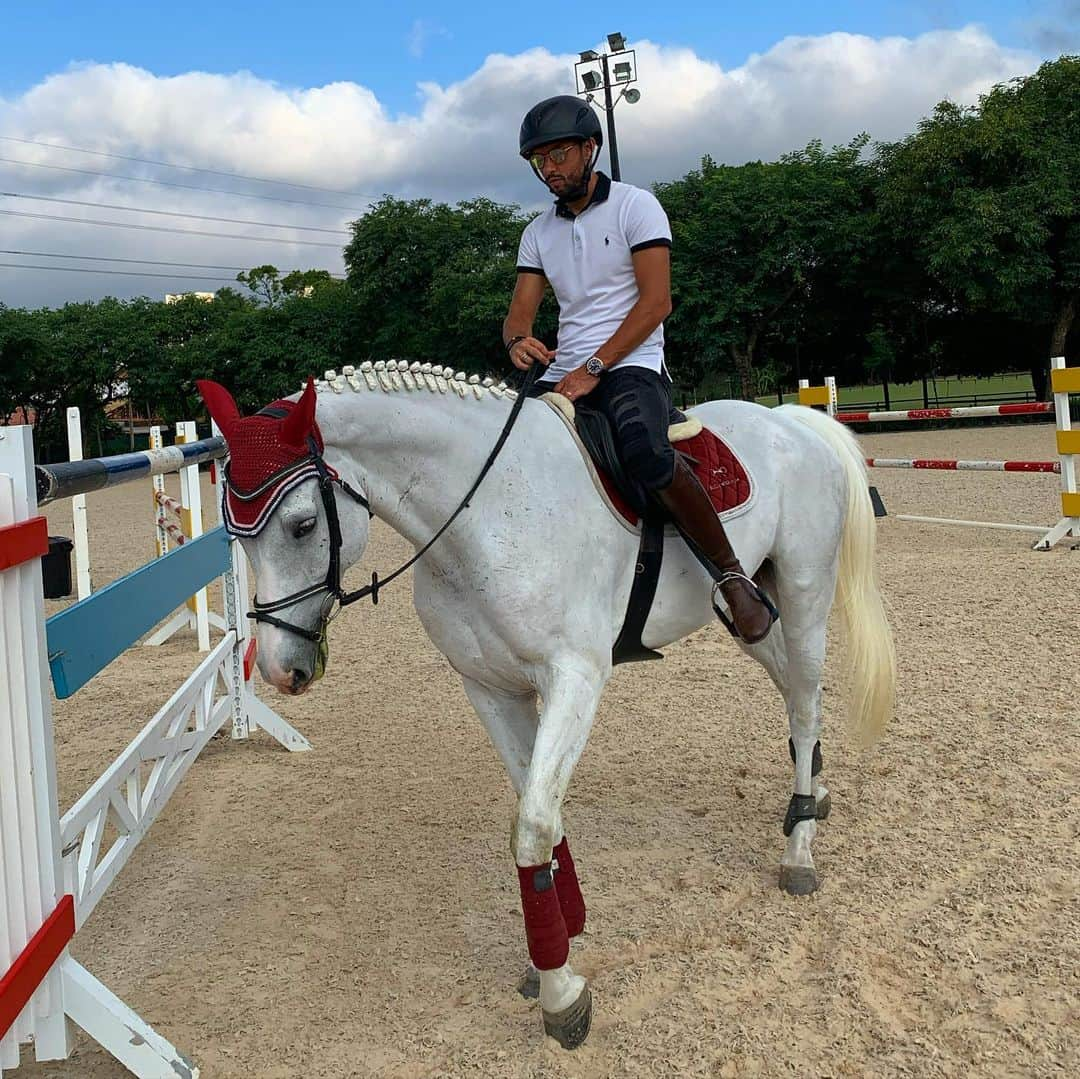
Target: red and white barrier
1064,381
972,412
964,466
55,869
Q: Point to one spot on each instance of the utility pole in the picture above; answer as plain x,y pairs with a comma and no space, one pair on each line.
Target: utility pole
609,105
594,72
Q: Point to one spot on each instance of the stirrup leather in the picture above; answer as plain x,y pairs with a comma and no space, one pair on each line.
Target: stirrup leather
733,575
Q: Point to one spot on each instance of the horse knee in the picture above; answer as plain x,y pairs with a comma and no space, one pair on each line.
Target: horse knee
534,835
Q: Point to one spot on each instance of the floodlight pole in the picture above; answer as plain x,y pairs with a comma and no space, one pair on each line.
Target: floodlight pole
613,143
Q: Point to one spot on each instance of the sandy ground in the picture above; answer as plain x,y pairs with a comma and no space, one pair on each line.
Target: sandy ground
354,911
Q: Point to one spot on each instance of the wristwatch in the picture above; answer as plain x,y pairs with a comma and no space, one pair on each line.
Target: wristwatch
595,366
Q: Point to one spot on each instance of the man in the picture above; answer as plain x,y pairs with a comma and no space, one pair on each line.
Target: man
605,249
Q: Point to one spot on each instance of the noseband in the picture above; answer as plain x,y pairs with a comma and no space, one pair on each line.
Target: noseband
331,584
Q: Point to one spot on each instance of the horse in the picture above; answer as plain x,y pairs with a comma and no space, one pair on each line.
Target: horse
527,589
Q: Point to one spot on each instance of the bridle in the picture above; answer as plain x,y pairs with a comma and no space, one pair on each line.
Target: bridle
331,584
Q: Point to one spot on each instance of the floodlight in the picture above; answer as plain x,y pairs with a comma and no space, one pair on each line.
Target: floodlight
616,42
622,72
588,55
590,80
633,95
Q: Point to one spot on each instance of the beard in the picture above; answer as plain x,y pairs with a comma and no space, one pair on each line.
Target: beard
572,186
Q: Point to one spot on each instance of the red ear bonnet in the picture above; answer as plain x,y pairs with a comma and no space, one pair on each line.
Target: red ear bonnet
220,405
270,453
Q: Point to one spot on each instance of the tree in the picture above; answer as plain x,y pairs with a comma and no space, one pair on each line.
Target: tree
433,282
989,199
752,243
268,285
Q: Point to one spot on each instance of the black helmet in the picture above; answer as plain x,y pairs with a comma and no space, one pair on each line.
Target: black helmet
562,117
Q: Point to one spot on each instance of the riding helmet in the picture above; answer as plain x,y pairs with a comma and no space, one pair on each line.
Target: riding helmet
562,117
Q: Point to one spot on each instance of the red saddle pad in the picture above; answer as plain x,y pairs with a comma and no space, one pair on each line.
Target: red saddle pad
721,474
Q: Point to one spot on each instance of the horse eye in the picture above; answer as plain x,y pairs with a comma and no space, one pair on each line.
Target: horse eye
304,527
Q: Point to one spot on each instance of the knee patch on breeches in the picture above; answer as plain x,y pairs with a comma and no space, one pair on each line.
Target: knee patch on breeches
643,442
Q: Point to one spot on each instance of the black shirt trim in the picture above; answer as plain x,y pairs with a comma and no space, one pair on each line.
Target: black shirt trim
660,241
530,269
600,194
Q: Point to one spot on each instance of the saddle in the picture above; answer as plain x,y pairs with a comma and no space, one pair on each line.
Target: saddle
727,482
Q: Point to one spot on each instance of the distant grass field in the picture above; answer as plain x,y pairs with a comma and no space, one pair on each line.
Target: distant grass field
910,394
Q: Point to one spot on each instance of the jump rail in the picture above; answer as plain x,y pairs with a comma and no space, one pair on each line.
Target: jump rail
1063,380
963,466
55,869
81,477
970,412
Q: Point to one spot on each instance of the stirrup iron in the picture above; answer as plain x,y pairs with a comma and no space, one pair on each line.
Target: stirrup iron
762,595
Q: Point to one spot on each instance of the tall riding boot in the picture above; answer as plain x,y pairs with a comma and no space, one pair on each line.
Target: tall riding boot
686,500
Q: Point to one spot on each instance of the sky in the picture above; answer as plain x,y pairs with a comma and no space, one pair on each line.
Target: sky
348,101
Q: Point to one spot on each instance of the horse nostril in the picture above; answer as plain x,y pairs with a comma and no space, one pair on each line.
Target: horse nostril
300,678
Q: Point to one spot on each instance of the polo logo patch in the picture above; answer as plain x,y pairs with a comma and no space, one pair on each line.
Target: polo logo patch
606,241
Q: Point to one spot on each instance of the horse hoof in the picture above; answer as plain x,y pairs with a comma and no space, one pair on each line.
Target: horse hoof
824,806
529,986
798,879
570,1027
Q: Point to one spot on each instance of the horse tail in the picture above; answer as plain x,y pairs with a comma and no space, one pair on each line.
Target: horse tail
870,657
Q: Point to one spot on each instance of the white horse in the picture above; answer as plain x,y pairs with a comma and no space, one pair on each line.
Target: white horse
526,591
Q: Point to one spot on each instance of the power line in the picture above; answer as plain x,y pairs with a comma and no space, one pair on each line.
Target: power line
170,213
124,273
145,262
186,168
164,228
171,183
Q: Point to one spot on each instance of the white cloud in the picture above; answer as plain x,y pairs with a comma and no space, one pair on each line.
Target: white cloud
461,141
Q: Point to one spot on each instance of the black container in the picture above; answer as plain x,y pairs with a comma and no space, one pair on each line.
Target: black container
56,567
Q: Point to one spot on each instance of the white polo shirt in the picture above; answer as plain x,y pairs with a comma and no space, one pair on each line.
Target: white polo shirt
588,261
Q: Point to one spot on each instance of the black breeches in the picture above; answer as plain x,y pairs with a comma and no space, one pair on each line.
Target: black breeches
637,402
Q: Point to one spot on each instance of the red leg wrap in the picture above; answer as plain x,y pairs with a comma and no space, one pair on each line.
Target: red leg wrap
566,884
545,929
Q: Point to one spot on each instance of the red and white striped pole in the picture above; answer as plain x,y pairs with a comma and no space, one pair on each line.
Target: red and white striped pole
1029,408
964,466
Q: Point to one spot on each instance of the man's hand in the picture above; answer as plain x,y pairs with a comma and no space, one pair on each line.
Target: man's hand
577,384
528,350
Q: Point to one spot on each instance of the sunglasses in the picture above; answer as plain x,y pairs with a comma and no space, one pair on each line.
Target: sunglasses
556,155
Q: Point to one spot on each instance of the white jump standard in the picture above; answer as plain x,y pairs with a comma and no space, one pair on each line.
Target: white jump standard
180,521
55,869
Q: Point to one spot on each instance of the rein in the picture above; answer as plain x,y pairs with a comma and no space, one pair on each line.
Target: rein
331,585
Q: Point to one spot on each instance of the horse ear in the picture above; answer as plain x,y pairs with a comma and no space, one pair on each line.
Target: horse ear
220,404
300,421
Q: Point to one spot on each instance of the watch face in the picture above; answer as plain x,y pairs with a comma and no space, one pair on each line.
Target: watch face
594,366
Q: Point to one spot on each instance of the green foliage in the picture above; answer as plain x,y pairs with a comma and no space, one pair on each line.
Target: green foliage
987,199
754,245
432,282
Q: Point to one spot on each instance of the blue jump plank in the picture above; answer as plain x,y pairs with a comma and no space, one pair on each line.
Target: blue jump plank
90,634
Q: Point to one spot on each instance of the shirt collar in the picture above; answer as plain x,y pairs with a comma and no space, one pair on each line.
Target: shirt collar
600,194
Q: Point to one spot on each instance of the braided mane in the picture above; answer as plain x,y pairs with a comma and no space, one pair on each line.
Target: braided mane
394,376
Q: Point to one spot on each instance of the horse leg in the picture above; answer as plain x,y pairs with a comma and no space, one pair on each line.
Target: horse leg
772,655
570,698
805,596
510,721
